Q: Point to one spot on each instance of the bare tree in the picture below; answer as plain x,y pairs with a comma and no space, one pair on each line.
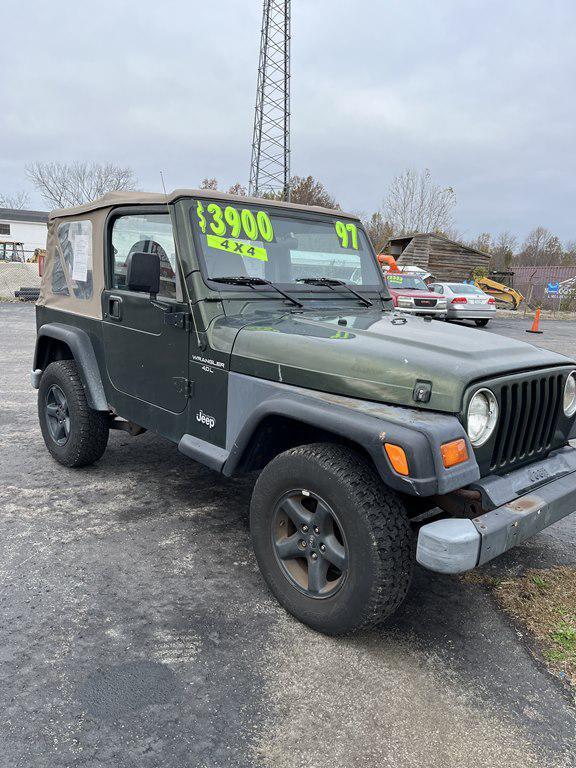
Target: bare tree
569,259
379,230
541,248
306,190
67,184
237,189
503,251
554,251
482,243
415,204
452,233
303,189
18,200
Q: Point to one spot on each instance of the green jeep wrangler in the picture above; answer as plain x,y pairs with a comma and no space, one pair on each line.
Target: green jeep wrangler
260,336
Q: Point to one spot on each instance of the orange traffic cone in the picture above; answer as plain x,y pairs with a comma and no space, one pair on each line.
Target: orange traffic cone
536,323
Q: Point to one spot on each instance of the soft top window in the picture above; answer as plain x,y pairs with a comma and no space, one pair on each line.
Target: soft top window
73,260
148,233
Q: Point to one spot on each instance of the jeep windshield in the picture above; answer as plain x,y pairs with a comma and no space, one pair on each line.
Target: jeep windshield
290,248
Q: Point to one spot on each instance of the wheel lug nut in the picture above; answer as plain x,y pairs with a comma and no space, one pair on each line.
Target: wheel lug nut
322,548
305,528
302,543
316,529
314,556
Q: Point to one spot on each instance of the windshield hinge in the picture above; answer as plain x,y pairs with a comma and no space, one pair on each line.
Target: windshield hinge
184,386
177,320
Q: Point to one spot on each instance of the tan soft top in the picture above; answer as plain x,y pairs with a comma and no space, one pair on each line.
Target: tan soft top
73,278
112,199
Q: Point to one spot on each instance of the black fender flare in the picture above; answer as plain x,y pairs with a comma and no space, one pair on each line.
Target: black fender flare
366,424
80,345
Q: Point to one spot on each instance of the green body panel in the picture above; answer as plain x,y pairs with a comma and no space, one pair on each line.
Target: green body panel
145,358
376,356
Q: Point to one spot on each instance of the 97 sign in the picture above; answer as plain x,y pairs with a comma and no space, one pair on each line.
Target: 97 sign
231,222
347,234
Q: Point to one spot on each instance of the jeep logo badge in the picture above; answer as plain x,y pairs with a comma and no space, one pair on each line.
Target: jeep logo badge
203,418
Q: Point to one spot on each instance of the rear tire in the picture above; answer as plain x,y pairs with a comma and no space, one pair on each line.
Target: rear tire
75,435
367,535
482,323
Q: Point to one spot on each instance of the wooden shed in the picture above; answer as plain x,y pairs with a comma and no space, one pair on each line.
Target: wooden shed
446,259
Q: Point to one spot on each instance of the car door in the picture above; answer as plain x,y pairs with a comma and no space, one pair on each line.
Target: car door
146,354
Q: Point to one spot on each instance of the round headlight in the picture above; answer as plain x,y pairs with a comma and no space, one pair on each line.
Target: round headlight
570,395
482,416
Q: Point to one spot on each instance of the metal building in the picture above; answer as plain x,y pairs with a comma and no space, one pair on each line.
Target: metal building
446,259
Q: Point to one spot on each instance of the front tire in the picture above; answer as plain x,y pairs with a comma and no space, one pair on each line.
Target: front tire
75,435
482,323
332,542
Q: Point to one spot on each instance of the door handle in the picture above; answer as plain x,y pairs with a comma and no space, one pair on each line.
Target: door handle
115,308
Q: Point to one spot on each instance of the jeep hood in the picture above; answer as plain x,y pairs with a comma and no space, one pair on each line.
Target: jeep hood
377,356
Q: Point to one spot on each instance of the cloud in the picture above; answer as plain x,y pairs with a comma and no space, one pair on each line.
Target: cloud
478,91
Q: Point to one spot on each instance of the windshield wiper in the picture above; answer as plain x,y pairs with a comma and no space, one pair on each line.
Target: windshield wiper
252,281
331,283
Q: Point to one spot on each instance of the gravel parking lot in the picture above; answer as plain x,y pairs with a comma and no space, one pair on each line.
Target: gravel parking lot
135,629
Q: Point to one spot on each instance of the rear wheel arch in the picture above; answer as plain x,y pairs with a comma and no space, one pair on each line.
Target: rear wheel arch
56,341
50,350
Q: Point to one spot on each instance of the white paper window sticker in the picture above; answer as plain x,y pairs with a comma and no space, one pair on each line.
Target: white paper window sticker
82,249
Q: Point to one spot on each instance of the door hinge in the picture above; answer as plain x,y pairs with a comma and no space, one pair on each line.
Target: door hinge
177,320
184,386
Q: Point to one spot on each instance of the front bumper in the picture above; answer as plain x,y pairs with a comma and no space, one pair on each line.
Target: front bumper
458,545
424,311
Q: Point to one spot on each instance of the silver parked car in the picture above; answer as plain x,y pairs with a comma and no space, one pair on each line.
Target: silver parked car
466,302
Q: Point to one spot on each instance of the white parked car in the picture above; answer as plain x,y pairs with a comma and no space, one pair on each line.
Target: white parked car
466,302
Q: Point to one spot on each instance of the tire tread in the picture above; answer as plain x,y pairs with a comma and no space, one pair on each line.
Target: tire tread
385,516
92,431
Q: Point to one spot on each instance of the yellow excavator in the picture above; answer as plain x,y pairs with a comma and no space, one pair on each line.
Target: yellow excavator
504,294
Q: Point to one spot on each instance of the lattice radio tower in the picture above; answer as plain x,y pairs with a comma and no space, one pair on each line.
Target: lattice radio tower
270,169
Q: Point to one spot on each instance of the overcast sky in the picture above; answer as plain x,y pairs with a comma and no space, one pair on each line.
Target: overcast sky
479,91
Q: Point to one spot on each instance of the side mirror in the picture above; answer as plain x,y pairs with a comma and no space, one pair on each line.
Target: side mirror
143,273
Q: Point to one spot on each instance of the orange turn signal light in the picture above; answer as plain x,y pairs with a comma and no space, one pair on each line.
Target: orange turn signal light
397,458
454,453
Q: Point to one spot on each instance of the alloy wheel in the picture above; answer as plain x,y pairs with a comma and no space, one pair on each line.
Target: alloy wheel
309,543
57,415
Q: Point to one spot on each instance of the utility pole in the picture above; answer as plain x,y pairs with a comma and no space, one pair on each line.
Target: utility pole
270,168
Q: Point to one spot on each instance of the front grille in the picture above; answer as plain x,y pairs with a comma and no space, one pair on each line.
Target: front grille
527,422
425,302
